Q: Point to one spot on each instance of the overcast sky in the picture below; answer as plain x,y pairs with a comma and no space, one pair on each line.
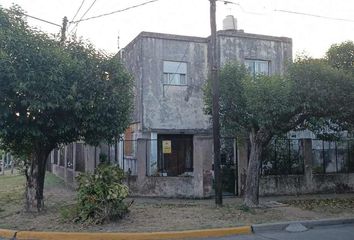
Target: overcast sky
311,35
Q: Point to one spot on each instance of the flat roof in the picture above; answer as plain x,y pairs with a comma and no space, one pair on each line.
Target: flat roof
226,33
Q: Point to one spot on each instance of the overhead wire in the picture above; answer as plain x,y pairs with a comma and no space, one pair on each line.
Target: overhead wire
40,19
93,3
83,15
288,11
78,10
314,15
117,11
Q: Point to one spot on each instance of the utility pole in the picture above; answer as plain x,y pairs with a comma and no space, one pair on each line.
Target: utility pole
63,30
216,107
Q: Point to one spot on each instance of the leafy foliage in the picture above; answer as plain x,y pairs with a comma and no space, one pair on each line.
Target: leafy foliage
54,93
342,56
248,102
101,195
312,94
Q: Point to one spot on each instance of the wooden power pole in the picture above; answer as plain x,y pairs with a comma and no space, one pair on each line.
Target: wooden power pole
63,30
216,107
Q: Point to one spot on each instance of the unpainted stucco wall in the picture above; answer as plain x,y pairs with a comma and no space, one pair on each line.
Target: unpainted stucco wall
295,185
168,106
131,56
158,106
238,46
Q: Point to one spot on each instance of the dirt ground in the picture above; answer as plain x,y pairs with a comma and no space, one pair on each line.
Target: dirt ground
158,214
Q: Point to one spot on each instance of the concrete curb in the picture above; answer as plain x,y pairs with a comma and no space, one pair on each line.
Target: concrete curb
257,228
126,236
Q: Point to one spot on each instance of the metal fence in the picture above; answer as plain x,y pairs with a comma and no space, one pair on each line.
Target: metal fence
286,156
228,160
333,156
82,157
283,157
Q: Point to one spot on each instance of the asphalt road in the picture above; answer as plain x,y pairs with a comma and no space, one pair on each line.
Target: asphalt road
340,232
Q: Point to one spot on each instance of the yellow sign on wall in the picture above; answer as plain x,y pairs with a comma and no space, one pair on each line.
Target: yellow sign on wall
166,146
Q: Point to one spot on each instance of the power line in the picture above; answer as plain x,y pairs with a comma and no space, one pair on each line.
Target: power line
40,19
287,11
117,11
83,15
78,10
314,15
93,3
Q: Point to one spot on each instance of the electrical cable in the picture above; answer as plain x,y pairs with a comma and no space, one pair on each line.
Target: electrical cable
39,19
117,11
77,22
314,15
78,10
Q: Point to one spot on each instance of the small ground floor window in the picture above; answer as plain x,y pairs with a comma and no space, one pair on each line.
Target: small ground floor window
175,154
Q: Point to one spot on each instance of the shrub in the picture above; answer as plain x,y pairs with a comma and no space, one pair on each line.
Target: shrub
101,195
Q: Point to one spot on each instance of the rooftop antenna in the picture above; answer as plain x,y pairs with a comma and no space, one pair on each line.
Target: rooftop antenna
118,38
228,8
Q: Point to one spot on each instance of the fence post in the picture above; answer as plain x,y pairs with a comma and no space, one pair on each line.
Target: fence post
74,161
235,162
307,148
52,153
65,163
12,164
141,158
3,164
85,158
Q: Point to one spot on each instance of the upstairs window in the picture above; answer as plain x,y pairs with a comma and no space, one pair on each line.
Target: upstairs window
174,73
257,67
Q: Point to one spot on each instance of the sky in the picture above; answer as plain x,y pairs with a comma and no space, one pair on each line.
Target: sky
311,35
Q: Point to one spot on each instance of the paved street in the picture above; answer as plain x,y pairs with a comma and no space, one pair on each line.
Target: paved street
340,232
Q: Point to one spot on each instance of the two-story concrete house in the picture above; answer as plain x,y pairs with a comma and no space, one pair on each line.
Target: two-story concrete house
171,135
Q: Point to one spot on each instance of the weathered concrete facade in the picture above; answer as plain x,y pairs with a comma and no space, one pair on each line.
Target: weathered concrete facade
177,109
240,46
167,107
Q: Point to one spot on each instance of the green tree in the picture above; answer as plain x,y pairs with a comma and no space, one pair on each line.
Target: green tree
265,106
53,94
342,56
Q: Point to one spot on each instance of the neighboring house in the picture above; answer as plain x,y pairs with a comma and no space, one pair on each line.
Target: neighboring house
170,135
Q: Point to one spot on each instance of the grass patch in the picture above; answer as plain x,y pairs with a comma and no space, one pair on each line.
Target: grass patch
246,209
52,181
11,193
12,190
322,204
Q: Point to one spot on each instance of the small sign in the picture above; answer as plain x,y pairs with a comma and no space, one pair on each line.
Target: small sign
166,146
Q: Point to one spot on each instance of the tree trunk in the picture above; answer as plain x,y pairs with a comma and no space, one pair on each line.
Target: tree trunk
35,175
252,179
